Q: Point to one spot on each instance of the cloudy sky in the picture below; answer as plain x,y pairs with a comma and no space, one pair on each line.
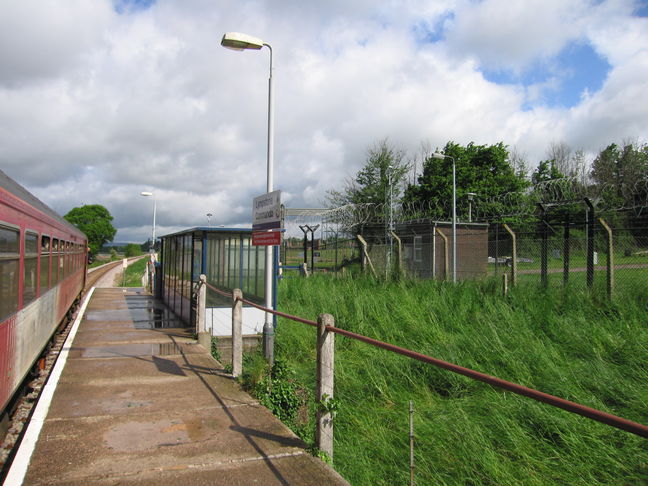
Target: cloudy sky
103,99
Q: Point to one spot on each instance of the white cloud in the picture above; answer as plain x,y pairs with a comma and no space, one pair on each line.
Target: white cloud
509,35
150,101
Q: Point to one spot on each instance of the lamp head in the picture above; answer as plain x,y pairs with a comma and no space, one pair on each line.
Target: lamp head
438,155
146,193
239,42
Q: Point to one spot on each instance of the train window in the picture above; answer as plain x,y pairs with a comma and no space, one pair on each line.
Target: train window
30,268
62,258
55,262
65,265
45,263
9,265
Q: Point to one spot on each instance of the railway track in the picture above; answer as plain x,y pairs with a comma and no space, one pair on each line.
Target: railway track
20,410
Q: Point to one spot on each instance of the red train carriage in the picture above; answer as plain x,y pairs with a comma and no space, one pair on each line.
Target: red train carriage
42,272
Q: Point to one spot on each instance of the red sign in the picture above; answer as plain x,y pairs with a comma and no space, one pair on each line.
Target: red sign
266,238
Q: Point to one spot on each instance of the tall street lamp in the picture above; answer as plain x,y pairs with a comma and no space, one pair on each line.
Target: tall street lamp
150,194
440,156
240,42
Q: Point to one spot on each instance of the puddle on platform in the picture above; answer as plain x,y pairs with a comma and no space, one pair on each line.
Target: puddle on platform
139,349
142,318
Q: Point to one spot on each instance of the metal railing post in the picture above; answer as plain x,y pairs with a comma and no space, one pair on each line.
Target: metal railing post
237,332
325,379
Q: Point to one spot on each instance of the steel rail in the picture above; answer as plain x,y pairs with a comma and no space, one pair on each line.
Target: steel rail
569,406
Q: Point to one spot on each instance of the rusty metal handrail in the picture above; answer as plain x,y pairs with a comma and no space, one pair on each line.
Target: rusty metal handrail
218,291
569,406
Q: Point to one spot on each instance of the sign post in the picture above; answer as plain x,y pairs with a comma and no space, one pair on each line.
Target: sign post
266,219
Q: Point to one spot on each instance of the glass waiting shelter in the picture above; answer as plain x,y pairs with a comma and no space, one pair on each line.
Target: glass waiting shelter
228,259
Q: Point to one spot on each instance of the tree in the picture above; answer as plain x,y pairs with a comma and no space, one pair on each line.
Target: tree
132,250
617,172
371,185
484,170
547,170
95,221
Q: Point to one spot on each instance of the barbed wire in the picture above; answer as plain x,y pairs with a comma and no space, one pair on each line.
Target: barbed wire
632,197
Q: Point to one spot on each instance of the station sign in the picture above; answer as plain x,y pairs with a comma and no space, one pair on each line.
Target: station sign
266,238
266,211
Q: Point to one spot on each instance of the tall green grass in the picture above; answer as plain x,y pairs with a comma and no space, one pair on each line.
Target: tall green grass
563,342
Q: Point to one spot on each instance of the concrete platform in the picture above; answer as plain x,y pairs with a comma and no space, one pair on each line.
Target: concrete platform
140,403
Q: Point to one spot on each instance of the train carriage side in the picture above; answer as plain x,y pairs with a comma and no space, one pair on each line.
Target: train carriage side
42,272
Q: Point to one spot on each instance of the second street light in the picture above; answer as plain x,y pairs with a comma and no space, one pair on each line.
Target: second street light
240,42
440,156
150,194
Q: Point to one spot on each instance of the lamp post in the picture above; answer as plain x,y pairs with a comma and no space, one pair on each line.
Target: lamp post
150,194
440,156
471,196
240,42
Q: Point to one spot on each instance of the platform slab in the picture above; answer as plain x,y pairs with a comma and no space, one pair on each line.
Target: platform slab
141,405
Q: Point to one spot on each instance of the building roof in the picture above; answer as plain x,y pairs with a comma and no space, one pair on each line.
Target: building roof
210,229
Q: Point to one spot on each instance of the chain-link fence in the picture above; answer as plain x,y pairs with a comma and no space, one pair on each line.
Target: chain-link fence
325,255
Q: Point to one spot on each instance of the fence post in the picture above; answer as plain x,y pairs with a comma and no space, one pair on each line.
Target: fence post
513,256
303,269
496,249
204,337
237,332
505,286
544,245
411,438
325,377
365,254
566,250
610,257
590,242
399,246
445,254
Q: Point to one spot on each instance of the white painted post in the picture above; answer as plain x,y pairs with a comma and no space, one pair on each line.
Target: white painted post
325,378
204,338
237,333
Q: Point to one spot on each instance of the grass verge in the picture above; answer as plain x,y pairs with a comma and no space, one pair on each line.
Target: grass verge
565,342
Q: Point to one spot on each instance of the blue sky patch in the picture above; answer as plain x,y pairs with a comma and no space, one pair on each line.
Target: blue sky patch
425,33
642,9
561,80
129,6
